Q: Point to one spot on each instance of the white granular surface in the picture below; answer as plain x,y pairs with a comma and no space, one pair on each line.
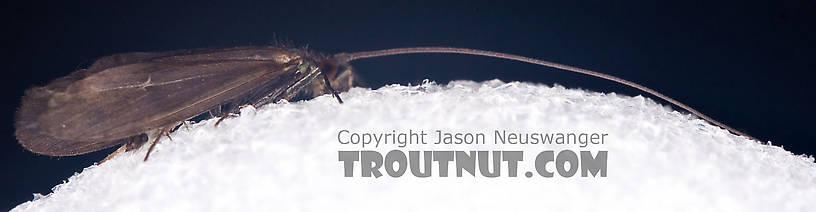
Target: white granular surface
284,157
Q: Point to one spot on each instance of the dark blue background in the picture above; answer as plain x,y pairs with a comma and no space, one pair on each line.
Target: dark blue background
748,64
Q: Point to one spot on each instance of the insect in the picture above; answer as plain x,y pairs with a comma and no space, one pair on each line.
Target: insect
126,99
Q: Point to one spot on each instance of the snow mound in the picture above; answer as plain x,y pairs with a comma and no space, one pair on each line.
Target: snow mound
284,157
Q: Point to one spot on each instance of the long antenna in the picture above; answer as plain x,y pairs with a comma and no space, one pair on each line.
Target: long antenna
343,58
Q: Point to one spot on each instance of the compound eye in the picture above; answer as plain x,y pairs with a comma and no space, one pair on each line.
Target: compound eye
329,68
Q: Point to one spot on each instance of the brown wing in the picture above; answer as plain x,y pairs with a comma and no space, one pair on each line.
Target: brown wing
101,107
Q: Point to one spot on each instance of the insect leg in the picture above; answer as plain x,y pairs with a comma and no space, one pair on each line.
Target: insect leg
135,143
330,89
185,125
159,133
215,112
221,119
224,111
121,149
